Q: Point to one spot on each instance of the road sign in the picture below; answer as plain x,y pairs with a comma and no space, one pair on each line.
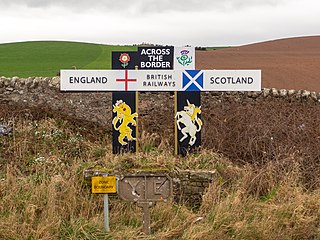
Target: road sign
126,80
125,105
145,188
104,184
156,57
184,58
187,119
124,60
232,80
192,80
160,80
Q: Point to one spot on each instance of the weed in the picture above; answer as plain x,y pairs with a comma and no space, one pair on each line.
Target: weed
42,196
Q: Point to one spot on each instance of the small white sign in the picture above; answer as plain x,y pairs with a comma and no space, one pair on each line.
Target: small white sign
232,80
89,80
221,80
184,58
155,80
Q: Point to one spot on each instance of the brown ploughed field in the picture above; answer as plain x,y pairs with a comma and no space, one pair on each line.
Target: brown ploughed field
292,63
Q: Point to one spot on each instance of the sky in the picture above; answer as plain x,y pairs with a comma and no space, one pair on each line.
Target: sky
174,22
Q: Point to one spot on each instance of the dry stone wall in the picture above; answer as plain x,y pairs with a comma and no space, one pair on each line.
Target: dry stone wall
16,85
189,185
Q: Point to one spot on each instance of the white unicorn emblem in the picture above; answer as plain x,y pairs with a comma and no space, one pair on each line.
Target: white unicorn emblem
189,118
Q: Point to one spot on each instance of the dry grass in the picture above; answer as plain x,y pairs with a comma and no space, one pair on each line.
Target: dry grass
42,195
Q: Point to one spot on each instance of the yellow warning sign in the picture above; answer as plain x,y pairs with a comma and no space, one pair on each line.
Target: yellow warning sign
104,184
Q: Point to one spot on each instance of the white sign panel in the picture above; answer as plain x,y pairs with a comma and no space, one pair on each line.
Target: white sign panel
160,80
221,80
119,80
184,58
89,80
156,80
232,80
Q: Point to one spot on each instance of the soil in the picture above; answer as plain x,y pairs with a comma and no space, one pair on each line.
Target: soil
292,63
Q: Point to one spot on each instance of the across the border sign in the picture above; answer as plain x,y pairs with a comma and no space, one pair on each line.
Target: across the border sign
164,80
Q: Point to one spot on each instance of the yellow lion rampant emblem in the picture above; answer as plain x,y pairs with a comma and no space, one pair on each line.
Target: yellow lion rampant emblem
124,117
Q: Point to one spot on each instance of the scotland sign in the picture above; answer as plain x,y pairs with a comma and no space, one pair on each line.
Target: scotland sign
160,80
232,80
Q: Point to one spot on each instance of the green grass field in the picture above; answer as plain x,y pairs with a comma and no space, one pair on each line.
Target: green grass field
28,59
46,58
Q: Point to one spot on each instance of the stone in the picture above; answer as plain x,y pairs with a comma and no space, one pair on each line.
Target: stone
28,82
10,89
55,81
6,82
313,96
43,82
5,130
35,83
14,80
266,92
291,92
275,92
22,82
298,94
254,94
305,94
283,92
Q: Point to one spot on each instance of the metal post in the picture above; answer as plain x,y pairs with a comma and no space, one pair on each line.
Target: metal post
106,212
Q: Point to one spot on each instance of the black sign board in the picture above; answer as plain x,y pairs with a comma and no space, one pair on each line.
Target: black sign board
124,108
125,60
188,110
124,122
156,57
188,122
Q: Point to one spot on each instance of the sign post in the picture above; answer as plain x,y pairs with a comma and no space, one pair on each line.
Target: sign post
106,212
188,123
145,189
125,105
186,128
146,216
185,81
125,134
104,184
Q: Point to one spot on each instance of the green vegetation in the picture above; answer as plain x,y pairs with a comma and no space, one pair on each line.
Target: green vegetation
216,48
210,48
45,59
